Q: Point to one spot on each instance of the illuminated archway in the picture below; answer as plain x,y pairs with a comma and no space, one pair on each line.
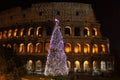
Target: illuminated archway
68,30
94,32
30,66
86,66
86,32
86,48
9,46
77,48
47,47
38,48
67,47
95,65
30,48
0,35
77,65
69,65
5,34
21,32
103,66
102,48
15,33
95,48
9,33
38,65
22,48
39,31
30,31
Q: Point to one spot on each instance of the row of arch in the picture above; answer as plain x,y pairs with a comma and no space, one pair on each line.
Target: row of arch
44,47
39,32
85,66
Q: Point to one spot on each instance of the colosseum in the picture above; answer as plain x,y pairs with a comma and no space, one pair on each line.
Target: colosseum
28,31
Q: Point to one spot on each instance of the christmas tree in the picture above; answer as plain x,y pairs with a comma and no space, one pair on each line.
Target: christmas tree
56,63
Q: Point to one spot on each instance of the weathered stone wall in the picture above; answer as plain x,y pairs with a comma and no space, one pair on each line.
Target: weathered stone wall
48,11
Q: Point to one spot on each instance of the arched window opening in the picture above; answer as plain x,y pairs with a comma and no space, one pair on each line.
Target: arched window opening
67,30
67,47
95,65
86,66
9,46
15,33
77,66
86,48
0,35
95,48
39,31
5,34
77,48
31,32
94,32
9,33
109,65
47,47
21,32
86,31
22,48
77,31
30,48
15,48
3,45
38,48
102,48
103,66
69,65
38,66
30,66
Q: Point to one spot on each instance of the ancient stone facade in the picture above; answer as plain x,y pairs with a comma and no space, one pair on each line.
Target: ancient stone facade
29,30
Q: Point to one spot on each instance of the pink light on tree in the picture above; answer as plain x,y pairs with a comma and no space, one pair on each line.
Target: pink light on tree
56,63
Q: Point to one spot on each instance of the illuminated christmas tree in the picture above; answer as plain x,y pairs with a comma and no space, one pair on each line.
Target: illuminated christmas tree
56,63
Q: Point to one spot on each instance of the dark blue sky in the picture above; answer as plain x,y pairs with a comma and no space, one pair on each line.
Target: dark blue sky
107,13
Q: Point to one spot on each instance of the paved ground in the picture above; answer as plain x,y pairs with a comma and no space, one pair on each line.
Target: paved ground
72,77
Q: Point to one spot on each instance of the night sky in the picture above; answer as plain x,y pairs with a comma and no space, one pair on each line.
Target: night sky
107,13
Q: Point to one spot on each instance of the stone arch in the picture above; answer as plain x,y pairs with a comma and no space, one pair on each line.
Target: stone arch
77,66
39,31
86,48
95,65
95,48
31,31
9,33
94,32
30,48
102,48
38,48
77,48
30,66
21,32
38,65
103,66
67,47
69,65
15,33
1,35
22,48
86,31
86,67
68,30
5,34
47,47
